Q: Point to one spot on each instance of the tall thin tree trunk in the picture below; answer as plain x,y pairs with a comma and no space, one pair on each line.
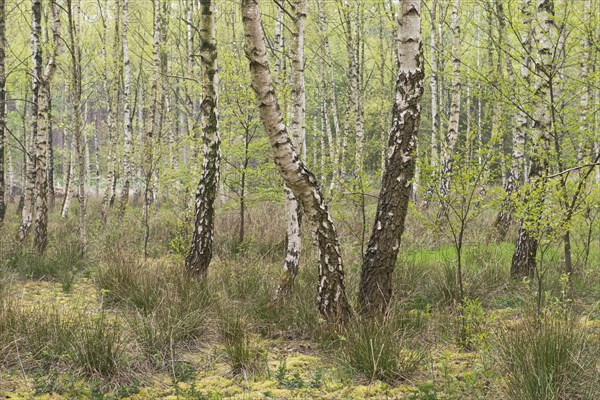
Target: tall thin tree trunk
74,14
111,85
298,134
449,143
51,188
2,108
200,255
152,132
68,178
524,258
127,134
332,301
42,137
433,54
352,48
517,171
382,251
36,50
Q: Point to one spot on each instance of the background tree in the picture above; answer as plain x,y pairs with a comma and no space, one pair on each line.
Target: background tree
200,254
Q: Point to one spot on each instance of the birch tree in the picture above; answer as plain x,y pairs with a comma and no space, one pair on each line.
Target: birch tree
433,56
298,133
111,86
200,255
127,134
517,170
380,258
451,135
524,258
42,137
74,16
332,301
2,108
28,196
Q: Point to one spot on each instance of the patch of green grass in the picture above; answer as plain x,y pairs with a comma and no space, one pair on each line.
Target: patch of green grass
60,263
99,347
547,358
243,355
379,350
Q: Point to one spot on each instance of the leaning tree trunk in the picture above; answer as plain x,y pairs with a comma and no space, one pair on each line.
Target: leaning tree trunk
2,106
380,258
36,50
200,254
524,257
297,130
451,137
332,301
127,134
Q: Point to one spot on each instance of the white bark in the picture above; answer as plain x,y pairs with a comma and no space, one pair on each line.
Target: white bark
435,129
454,119
127,134
384,244
332,300
298,134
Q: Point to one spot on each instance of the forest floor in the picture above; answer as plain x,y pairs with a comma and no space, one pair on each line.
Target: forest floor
113,325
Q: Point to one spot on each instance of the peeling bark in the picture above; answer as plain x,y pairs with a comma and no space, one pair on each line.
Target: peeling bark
332,301
382,251
298,134
451,136
36,50
2,107
127,134
516,175
200,255
524,258
111,86
42,138
435,128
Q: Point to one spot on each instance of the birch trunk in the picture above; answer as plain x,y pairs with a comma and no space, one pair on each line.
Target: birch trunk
127,134
74,14
435,128
2,108
68,179
200,255
36,50
516,175
153,130
332,301
524,258
298,134
382,251
352,46
454,119
111,86
42,138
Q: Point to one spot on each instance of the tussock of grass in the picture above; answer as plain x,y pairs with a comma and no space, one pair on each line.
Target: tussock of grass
243,355
547,358
380,350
